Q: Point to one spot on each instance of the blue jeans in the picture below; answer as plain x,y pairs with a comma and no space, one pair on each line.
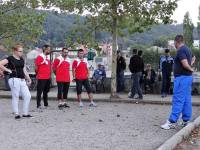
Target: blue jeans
120,81
136,84
181,102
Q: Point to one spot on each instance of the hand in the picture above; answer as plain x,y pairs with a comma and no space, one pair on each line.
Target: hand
29,82
73,80
9,71
1,74
192,70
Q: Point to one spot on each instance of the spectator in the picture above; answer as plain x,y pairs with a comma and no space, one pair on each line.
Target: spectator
140,52
166,66
90,57
121,67
149,78
98,77
136,67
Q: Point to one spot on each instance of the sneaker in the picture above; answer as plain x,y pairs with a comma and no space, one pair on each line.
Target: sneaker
65,105
60,105
17,117
164,95
27,116
92,104
80,104
46,107
130,95
168,125
139,98
39,109
183,123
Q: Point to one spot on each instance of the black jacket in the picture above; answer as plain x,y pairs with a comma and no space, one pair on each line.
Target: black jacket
121,64
153,75
136,64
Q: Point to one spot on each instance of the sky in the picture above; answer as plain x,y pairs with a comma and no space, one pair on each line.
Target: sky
192,6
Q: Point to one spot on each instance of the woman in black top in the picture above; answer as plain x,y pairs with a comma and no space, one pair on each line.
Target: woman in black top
17,80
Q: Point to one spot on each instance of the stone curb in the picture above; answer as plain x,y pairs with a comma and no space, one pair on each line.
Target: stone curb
171,143
115,100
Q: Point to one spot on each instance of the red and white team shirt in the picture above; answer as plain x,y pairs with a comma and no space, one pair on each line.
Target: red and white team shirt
81,68
62,68
43,66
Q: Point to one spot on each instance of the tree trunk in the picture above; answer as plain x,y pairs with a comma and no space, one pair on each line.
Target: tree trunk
114,60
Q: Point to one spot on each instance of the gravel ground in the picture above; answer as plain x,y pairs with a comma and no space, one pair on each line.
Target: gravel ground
110,126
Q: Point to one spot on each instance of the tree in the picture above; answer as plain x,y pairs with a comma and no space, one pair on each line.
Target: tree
19,22
117,15
161,42
198,27
188,30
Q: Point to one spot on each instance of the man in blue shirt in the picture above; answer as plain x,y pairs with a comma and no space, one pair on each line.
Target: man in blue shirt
166,65
181,102
98,76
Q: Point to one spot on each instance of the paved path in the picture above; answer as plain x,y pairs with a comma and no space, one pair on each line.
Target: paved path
110,126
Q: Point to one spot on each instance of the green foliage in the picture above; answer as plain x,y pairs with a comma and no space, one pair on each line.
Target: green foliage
161,42
19,22
196,53
188,30
134,16
198,26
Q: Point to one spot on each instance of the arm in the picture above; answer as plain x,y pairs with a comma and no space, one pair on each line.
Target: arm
104,73
193,60
55,65
130,68
88,70
38,61
2,66
186,65
124,63
27,77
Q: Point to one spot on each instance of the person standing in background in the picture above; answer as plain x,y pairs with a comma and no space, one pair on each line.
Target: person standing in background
61,68
166,66
43,75
136,67
121,67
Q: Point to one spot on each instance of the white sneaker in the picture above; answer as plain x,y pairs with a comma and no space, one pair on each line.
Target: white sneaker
80,104
168,125
92,104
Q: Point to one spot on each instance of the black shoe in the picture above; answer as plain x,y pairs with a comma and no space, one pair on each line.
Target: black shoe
60,106
65,105
17,117
27,116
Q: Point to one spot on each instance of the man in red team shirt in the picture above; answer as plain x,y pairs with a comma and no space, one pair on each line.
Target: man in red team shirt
43,74
80,70
61,68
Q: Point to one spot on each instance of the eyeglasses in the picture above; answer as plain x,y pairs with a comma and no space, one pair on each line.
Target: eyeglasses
20,51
